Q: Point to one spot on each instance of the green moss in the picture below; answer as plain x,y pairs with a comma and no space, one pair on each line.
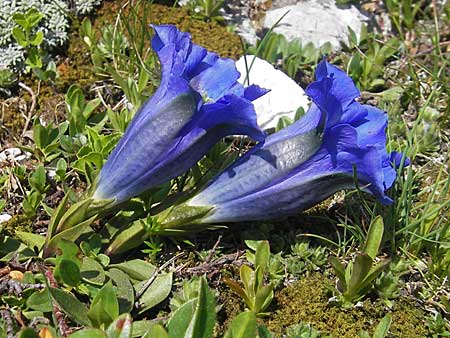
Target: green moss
307,301
11,119
17,223
210,35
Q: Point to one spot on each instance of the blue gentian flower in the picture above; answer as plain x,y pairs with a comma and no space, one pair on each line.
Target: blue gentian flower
304,163
198,102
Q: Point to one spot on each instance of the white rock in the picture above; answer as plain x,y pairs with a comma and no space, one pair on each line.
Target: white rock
285,95
5,217
316,21
9,154
13,154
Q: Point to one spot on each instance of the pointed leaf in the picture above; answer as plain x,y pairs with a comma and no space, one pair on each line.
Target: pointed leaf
104,307
136,269
69,234
262,255
243,326
383,327
56,216
30,239
88,333
121,327
181,318
92,271
204,319
125,293
71,306
263,297
374,237
156,331
338,268
156,292
361,268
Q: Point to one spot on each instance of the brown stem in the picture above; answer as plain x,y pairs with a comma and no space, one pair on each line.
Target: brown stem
32,107
59,315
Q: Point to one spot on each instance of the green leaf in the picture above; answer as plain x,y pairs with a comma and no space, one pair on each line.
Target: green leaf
57,215
31,203
104,307
127,239
30,239
71,306
156,292
243,326
374,237
76,214
28,333
156,331
338,268
33,17
20,37
88,333
195,318
248,279
37,39
361,268
141,327
383,327
68,272
121,327
21,20
262,255
204,318
34,59
61,168
263,297
40,301
136,269
179,321
263,332
92,271
69,234
125,294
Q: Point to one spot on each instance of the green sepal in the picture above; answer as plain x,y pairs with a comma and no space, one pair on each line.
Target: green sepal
183,218
128,239
70,234
81,211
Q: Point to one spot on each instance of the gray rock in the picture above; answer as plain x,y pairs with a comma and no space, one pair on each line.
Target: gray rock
316,21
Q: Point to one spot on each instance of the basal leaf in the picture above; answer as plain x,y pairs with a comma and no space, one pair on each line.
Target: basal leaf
125,294
156,292
88,333
243,326
92,271
104,307
136,269
121,327
71,306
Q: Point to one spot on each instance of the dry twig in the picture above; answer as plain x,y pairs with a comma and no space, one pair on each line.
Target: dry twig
32,107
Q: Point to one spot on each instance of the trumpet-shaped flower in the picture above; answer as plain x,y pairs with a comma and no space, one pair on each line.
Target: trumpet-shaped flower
198,102
304,163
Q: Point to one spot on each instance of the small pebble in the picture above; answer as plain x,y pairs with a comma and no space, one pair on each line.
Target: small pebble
5,217
13,154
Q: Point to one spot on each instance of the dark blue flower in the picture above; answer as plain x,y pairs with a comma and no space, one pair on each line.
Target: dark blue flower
308,161
198,102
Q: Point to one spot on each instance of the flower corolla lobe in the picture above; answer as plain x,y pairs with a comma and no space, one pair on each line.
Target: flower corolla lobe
177,126
308,161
